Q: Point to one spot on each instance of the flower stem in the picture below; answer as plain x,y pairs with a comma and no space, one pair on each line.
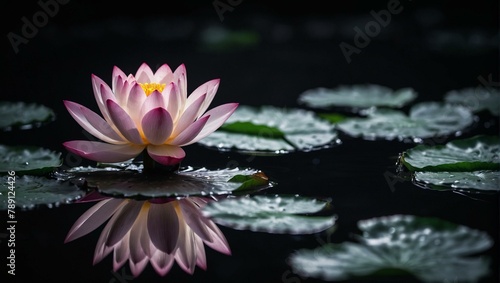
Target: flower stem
148,163
153,167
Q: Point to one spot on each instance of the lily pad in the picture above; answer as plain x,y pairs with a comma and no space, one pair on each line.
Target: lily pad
218,38
272,214
28,192
430,249
357,97
425,120
462,42
21,115
188,181
333,118
482,180
480,152
28,160
476,99
270,130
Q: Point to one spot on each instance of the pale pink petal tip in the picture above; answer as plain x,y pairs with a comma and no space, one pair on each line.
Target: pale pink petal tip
167,160
103,152
166,154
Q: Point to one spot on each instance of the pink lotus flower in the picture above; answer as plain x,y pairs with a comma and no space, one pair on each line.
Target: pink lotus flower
147,111
155,232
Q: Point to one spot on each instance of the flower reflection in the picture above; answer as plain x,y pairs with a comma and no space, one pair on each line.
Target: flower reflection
149,111
155,231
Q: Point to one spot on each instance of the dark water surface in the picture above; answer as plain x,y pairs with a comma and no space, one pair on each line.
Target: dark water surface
284,53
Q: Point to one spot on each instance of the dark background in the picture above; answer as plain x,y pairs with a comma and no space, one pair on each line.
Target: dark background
289,47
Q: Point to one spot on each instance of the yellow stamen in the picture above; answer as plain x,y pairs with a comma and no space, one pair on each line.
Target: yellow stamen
150,87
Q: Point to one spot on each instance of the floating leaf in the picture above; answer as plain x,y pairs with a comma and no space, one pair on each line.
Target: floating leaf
476,99
29,192
131,182
28,160
476,153
247,182
249,128
462,42
425,120
482,180
23,116
333,118
357,97
217,38
431,249
272,214
271,130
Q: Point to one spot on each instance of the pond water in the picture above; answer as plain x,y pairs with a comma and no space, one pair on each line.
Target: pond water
263,56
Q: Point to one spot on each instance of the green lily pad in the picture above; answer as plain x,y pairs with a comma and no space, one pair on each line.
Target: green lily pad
430,249
21,115
28,160
132,182
476,153
461,42
272,214
28,192
357,97
333,118
482,180
248,182
425,120
270,130
476,99
251,129
217,38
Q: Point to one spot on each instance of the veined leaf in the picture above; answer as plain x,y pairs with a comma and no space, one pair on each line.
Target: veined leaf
425,120
272,214
270,130
28,160
480,152
430,249
21,115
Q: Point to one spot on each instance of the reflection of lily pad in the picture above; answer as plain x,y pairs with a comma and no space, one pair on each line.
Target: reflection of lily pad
29,192
272,214
185,182
425,120
482,180
430,249
476,99
272,130
28,160
475,153
23,116
357,97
